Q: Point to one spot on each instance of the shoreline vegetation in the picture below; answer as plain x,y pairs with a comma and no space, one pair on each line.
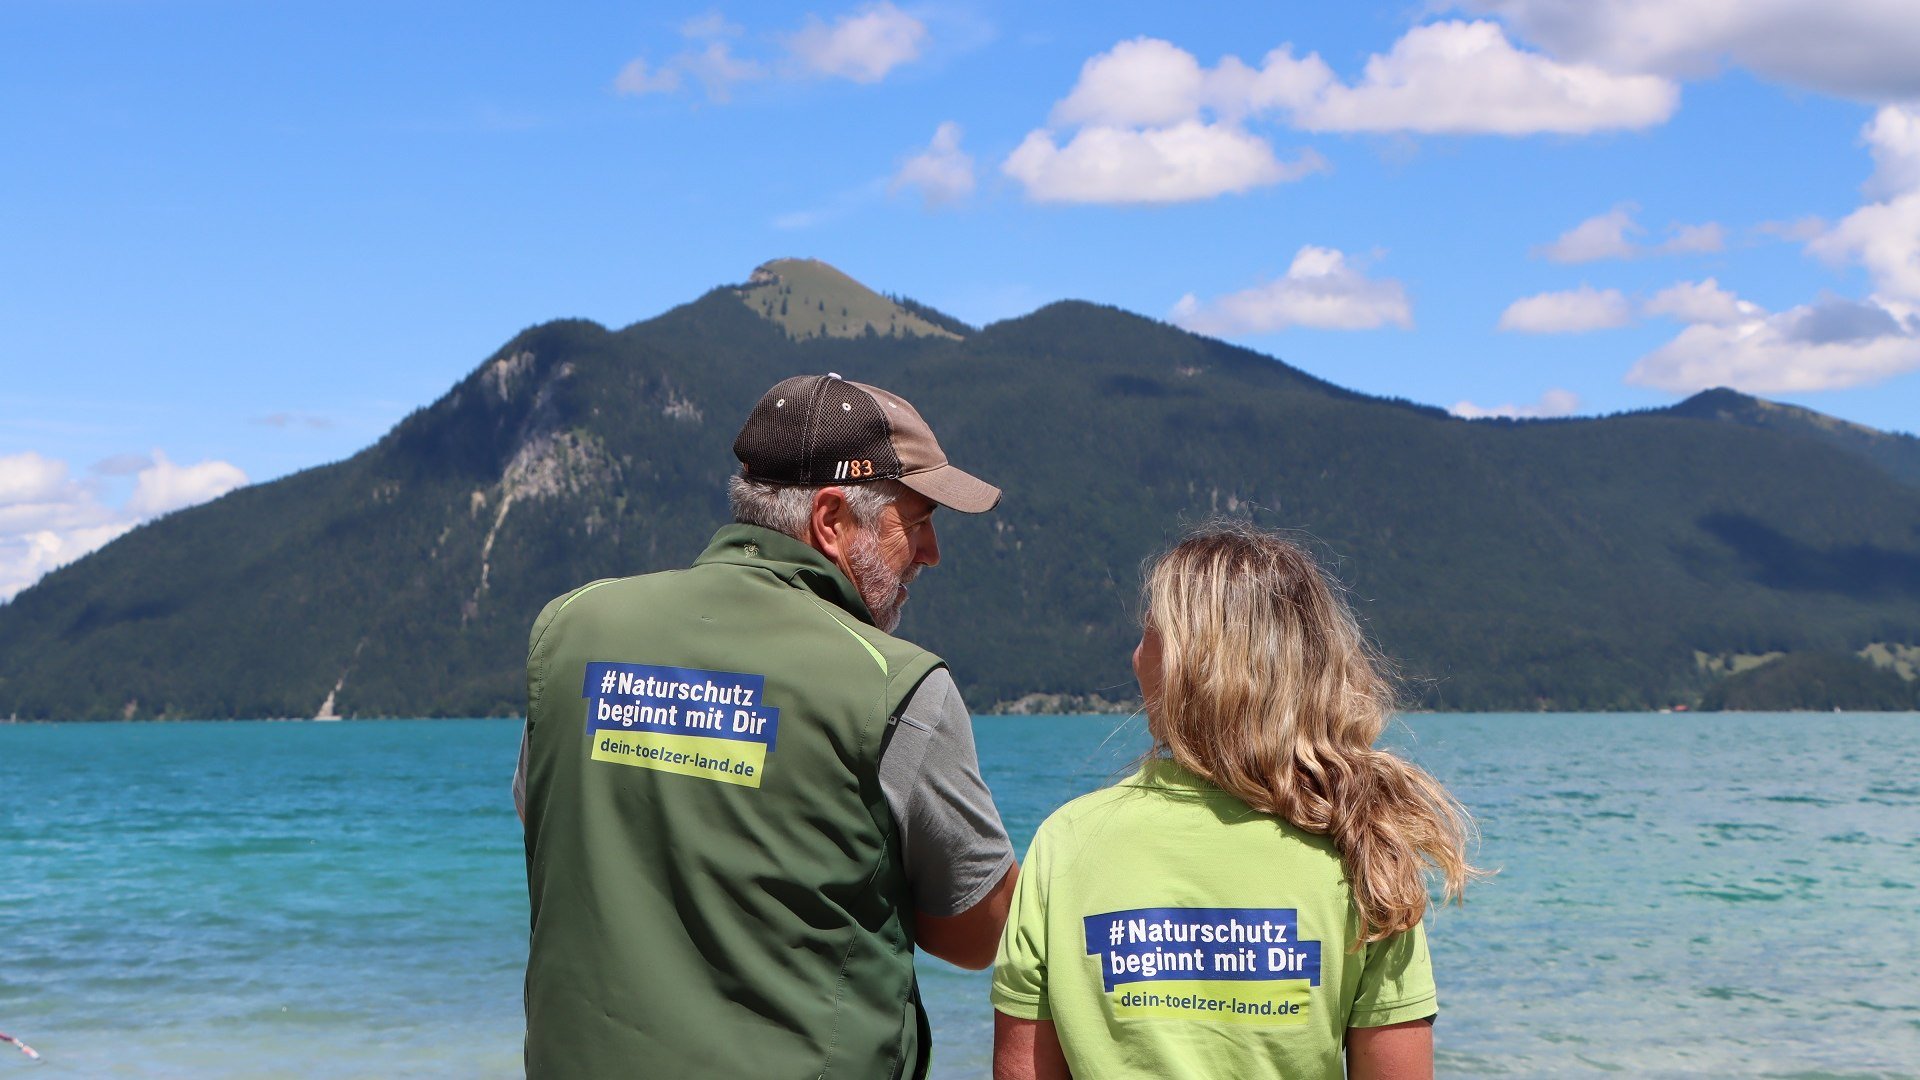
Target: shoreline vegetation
1881,678
1117,710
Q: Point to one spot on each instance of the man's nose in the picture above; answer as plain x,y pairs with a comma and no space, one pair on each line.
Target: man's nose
929,553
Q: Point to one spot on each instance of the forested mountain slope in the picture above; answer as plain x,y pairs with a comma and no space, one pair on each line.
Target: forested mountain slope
1592,563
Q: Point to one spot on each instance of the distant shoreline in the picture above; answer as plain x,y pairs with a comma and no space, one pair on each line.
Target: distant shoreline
1038,715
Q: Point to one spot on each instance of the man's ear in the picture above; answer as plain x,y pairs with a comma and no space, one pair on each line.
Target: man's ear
830,525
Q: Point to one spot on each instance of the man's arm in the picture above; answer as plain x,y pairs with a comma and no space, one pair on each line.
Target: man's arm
968,939
957,856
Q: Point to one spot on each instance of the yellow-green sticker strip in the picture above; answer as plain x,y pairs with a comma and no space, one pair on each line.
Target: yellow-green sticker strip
864,643
584,590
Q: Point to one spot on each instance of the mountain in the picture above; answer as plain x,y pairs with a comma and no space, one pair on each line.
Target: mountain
1631,561
1897,453
807,298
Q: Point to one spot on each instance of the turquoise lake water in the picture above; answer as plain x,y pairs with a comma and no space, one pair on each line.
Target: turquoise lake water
1733,895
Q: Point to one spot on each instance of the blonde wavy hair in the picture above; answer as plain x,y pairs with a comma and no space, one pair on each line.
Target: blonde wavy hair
1269,689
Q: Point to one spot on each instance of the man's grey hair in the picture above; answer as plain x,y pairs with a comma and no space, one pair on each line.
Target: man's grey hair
786,508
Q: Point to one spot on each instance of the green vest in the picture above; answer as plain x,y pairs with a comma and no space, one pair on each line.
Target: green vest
714,873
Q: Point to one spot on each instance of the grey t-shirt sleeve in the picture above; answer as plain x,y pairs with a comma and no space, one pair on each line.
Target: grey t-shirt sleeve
951,839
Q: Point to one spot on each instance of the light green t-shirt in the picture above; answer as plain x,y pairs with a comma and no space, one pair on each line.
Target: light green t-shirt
1169,930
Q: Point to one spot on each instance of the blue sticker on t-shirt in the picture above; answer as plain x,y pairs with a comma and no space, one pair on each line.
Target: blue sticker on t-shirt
1182,944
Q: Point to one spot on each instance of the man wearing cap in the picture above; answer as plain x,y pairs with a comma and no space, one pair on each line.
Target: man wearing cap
746,802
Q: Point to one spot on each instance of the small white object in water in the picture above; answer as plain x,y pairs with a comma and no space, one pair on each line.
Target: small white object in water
24,1048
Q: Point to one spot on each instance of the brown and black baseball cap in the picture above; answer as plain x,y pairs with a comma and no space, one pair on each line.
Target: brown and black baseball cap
822,429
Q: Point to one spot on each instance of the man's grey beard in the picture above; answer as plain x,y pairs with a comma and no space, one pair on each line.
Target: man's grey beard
882,589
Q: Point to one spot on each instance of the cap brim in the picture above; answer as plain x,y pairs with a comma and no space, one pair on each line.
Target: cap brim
954,489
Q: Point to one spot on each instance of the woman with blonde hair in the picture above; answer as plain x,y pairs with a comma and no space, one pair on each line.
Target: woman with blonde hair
1249,903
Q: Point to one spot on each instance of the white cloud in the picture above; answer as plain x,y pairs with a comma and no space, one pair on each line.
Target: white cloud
27,557
48,519
863,47
639,78
1552,403
942,172
1148,82
713,66
1764,357
1701,302
30,478
718,71
1145,100
1799,230
1321,289
1611,236
1884,236
1827,345
1187,161
1600,237
1858,48
1281,84
1467,78
1144,82
1893,137
164,487
121,464
1701,239
1454,77
1575,311
709,26
36,494
1833,342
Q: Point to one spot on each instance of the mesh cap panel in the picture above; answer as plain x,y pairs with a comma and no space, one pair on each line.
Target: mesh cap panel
821,429
816,429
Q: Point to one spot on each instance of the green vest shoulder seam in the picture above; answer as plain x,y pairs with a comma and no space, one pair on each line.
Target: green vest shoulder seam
536,660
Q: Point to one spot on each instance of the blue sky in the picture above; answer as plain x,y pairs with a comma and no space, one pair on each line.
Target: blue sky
245,239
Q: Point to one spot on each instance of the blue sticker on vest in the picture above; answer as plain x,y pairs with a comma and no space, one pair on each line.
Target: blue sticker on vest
710,724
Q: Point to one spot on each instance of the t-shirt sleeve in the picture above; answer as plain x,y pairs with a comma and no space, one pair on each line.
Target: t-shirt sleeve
1020,967
1396,983
952,842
